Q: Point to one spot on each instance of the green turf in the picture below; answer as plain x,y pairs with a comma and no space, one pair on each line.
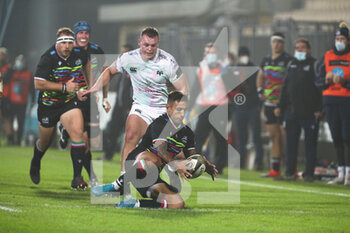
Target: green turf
52,207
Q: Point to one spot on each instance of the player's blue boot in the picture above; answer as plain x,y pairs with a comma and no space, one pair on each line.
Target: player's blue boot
103,189
127,203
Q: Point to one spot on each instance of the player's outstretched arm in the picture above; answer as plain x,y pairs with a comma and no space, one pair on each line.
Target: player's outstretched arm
104,79
210,168
179,165
181,85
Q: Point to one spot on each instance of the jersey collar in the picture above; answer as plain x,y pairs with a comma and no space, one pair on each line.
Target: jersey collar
172,123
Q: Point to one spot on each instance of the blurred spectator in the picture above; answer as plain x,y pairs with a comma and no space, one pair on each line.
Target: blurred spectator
269,83
212,94
247,114
334,78
116,125
5,103
300,103
21,86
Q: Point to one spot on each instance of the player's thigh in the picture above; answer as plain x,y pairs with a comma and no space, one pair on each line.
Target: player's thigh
135,127
46,135
149,156
73,122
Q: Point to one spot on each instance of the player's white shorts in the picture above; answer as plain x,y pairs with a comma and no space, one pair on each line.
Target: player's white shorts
147,113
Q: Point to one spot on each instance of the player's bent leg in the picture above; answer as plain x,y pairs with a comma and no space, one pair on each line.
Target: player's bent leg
162,197
134,130
45,137
73,122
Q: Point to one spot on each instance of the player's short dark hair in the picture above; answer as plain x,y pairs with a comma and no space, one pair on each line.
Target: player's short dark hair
176,96
279,34
64,30
305,41
150,32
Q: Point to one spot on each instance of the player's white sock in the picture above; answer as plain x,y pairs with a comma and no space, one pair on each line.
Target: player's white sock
347,172
341,171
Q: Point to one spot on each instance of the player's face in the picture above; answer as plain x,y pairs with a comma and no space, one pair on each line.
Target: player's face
301,47
177,111
277,46
82,38
65,48
148,46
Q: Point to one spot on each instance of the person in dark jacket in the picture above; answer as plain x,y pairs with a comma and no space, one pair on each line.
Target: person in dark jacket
300,103
333,77
247,114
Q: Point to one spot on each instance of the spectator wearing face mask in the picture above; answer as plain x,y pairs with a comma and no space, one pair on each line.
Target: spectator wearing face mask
333,76
246,115
300,103
212,95
21,86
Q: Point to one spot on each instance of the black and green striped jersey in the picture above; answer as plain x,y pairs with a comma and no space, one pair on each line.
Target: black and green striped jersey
179,138
54,68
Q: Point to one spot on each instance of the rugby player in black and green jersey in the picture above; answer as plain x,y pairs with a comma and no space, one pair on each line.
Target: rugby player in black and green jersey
89,107
59,76
167,141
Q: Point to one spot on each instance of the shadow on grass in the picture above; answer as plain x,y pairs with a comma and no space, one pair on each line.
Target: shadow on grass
66,195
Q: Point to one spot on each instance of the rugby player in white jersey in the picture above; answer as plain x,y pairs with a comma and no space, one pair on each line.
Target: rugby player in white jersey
151,69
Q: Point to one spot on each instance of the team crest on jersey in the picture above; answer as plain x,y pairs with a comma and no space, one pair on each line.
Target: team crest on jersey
159,72
184,139
281,63
78,62
59,63
45,120
133,69
307,68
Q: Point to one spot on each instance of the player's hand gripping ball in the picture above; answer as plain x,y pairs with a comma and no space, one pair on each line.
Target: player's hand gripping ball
198,163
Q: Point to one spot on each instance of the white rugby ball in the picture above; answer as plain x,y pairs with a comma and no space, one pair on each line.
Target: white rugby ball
198,163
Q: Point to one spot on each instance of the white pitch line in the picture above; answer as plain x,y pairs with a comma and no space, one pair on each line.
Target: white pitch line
9,209
279,187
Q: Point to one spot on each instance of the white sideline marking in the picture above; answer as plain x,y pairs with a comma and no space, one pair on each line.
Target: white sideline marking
279,187
9,209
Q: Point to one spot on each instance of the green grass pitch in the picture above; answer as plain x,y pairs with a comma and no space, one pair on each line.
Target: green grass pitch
265,205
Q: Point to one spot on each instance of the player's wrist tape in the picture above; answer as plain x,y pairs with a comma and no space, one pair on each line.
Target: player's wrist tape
260,91
104,102
64,87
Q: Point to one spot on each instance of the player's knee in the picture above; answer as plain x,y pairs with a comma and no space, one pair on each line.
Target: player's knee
179,205
76,133
131,136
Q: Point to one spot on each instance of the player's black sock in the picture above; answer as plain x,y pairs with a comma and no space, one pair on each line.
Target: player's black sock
153,203
77,153
276,164
87,164
38,154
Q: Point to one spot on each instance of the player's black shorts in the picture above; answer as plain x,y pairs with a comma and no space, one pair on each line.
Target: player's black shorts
48,116
91,115
270,117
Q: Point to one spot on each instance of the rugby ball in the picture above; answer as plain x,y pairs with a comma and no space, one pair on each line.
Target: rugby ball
198,163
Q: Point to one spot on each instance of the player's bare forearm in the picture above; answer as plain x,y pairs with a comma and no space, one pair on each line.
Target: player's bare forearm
42,85
163,152
260,79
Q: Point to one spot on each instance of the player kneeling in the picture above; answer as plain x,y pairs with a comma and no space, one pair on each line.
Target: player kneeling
166,142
